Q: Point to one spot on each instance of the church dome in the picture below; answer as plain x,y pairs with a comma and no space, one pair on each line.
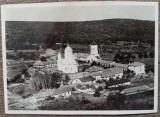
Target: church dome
68,49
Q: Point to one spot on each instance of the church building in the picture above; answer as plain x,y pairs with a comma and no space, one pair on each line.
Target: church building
66,63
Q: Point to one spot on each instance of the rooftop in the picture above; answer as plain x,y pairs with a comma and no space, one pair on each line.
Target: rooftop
111,72
78,75
121,65
120,81
87,86
136,89
93,43
135,64
104,62
62,90
94,69
96,73
81,55
87,79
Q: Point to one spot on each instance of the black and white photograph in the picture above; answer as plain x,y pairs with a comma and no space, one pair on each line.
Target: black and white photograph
98,58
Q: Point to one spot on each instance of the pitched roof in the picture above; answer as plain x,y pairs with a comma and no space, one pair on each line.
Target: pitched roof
151,85
135,64
62,90
136,89
94,69
49,62
78,75
87,86
81,55
121,65
104,62
96,73
38,62
93,43
86,79
111,72
120,81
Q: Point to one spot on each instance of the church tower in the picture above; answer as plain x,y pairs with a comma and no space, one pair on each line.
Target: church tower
94,56
94,49
59,61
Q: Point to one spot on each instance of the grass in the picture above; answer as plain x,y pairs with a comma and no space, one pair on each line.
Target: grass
144,81
146,61
91,98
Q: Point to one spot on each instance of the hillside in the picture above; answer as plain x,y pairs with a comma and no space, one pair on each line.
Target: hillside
78,32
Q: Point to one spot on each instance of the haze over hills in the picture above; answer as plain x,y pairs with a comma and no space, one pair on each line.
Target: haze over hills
79,32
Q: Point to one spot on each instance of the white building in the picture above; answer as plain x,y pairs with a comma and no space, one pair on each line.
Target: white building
67,64
137,67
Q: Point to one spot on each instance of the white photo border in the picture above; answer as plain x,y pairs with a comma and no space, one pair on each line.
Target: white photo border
84,112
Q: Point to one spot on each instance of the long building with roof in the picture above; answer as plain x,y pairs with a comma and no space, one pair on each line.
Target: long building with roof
112,73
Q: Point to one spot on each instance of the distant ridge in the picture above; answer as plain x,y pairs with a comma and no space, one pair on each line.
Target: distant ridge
79,32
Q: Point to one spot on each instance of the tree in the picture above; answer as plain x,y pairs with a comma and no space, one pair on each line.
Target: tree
67,79
56,78
151,54
145,55
129,54
17,79
133,56
107,84
100,88
140,55
97,93
43,58
116,101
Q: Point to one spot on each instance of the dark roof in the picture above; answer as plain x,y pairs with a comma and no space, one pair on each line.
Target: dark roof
90,86
94,69
120,81
86,79
93,43
111,72
79,86
87,86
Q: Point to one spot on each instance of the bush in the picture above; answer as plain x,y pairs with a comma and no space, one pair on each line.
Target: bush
17,79
97,93
100,88
49,98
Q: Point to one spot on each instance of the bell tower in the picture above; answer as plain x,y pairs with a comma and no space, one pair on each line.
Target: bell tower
94,49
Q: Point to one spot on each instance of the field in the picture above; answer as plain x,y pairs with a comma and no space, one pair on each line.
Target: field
146,61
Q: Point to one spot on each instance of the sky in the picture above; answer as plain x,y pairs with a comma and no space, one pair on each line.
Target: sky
79,12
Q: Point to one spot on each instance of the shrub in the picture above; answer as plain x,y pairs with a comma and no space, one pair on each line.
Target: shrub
49,98
97,93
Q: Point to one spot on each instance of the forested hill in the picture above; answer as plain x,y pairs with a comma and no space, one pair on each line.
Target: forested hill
79,32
